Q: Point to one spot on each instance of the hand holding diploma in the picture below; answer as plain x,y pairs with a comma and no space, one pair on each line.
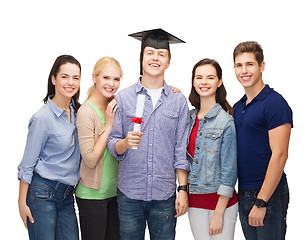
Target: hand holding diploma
136,134
133,138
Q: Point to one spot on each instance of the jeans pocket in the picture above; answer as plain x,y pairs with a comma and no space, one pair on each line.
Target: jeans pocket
40,193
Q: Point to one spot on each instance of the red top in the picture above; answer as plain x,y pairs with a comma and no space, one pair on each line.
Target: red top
209,200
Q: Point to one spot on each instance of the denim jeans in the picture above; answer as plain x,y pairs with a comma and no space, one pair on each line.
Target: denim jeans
52,207
134,214
275,223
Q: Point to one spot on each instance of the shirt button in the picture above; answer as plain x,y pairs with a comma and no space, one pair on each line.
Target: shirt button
197,162
204,121
151,129
195,190
198,148
195,176
150,144
150,160
200,133
149,98
150,175
243,111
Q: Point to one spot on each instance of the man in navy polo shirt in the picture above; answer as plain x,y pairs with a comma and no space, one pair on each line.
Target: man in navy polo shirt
263,122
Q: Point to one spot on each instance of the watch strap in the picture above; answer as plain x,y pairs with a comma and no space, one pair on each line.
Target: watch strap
183,187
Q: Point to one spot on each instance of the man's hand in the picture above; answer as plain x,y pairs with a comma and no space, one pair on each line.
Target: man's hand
256,216
133,139
181,203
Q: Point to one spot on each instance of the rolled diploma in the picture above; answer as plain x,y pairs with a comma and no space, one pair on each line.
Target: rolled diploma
139,112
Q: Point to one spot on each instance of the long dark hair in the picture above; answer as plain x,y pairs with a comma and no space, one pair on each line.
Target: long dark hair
221,92
61,60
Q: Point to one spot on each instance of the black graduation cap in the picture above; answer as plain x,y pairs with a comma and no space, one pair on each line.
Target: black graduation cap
155,38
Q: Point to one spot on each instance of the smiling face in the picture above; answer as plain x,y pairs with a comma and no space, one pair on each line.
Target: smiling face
155,61
107,81
67,81
247,70
206,81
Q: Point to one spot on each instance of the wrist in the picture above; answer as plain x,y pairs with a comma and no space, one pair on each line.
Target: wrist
260,203
183,188
107,129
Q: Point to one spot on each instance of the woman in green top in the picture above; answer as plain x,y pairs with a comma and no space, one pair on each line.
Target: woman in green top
97,189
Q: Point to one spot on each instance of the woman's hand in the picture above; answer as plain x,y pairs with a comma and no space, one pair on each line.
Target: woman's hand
25,213
216,224
110,113
24,210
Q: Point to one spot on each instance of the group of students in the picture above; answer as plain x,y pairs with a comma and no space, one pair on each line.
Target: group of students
125,180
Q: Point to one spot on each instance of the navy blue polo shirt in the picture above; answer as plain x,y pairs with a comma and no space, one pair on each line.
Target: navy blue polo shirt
266,111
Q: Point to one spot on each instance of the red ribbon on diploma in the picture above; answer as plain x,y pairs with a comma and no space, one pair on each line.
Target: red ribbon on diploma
137,120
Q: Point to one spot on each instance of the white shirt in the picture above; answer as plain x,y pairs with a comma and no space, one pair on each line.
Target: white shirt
154,94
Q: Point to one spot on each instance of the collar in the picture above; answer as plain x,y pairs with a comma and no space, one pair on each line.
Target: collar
261,96
55,109
211,114
140,88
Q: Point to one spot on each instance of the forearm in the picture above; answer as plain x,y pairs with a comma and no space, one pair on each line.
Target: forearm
221,204
279,142
273,176
100,145
121,146
23,190
182,176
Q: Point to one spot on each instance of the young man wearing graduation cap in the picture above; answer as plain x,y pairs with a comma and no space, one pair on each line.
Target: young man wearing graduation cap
147,175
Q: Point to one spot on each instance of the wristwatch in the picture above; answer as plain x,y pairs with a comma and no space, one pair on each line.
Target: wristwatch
183,187
260,203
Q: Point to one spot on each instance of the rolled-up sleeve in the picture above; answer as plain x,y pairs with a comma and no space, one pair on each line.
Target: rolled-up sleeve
180,159
228,162
35,142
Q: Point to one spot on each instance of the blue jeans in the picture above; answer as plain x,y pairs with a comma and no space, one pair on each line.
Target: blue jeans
134,214
275,223
52,207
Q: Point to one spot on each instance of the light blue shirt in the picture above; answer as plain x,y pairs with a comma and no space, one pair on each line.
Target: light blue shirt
149,173
52,148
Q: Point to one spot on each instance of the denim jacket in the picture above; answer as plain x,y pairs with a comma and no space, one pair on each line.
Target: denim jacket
214,166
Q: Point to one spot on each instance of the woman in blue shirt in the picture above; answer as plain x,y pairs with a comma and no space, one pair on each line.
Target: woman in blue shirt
49,169
212,154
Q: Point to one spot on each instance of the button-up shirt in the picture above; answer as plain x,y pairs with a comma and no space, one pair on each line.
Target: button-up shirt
148,173
52,148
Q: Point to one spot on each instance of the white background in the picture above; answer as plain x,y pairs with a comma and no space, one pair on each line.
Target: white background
34,33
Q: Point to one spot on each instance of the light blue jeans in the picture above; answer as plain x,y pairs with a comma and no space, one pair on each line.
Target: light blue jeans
134,214
52,207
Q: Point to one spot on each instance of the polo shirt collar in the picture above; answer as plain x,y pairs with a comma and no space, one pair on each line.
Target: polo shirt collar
139,87
261,96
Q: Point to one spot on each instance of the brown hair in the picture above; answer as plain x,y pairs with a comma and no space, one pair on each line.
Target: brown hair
61,60
221,92
252,47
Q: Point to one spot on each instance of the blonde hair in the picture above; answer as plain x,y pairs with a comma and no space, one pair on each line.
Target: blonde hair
100,64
